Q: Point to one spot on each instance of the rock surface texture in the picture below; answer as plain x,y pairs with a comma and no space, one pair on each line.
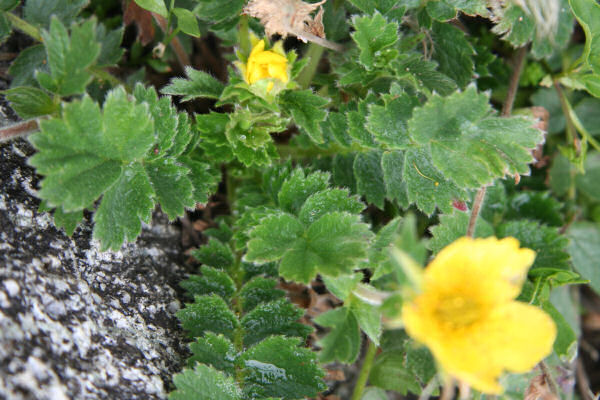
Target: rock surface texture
75,322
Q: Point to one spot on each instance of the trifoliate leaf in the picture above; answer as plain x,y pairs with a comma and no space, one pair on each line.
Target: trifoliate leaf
326,201
470,146
299,187
307,111
332,245
273,237
186,21
453,52
204,383
278,367
453,226
584,248
213,350
155,6
389,123
198,84
342,343
369,177
127,203
29,102
208,314
40,12
374,37
82,153
212,281
259,290
215,253
277,317
68,57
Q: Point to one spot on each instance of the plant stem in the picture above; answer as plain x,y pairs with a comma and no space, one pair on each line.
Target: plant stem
19,129
549,378
573,120
564,105
507,107
24,26
314,52
365,370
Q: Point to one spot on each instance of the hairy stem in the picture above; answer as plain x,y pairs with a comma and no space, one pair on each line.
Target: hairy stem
24,26
507,107
365,370
19,129
448,389
314,52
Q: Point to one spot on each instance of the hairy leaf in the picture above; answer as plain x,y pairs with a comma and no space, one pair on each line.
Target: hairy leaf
198,84
204,383
212,281
214,350
306,109
374,36
277,317
208,314
342,343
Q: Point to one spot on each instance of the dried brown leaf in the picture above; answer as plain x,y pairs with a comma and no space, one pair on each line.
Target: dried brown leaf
142,19
539,389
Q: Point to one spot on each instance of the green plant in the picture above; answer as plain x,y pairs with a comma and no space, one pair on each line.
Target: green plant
353,172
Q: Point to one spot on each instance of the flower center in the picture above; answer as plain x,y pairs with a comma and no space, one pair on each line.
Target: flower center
458,311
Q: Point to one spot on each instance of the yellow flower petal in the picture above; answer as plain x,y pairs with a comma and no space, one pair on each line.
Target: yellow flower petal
264,64
499,267
466,315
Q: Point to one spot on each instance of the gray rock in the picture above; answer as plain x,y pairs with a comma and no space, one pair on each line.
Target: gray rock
75,322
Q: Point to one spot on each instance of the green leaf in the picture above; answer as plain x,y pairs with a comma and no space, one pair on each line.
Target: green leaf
8,5
212,127
587,13
81,153
357,120
537,206
368,317
277,317
215,12
453,52
24,67
186,21
110,41
588,183
273,237
516,26
204,383
392,164
374,37
342,286
332,245
389,123
584,248
29,102
307,111
208,314
249,135
213,350
453,226
327,201
155,6
203,177
198,84
172,186
565,344
67,221
342,343
423,74
40,12
550,247
369,177
215,253
440,10
125,205
401,365
212,281
299,187
259,290
69,56
278,367
470,146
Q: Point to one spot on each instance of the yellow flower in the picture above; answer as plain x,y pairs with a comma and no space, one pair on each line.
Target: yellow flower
264,64
467,316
